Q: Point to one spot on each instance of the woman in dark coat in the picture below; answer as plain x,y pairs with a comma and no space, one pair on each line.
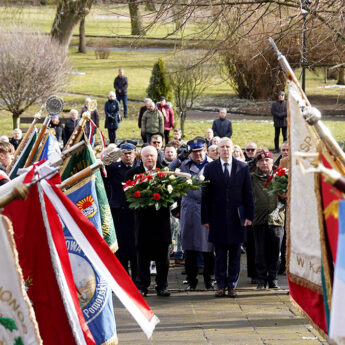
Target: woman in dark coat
112,116
59,132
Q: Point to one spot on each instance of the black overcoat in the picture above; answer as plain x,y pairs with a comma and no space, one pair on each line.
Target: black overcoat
221,201
152,227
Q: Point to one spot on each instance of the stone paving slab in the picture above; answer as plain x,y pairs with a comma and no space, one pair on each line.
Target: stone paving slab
198,318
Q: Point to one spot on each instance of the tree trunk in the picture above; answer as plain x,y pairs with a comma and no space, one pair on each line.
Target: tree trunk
182,121
68,15
82,39
136,20
341,76
16,121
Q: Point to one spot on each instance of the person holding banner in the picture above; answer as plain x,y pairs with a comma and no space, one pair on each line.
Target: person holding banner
6,157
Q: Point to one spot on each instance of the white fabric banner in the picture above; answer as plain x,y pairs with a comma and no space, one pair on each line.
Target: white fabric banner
17,317
304,252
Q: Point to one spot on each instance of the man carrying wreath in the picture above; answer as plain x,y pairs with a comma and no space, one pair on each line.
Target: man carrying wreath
153,233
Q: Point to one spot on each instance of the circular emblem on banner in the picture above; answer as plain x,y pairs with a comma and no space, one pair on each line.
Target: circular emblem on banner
92,289
87,206
54,105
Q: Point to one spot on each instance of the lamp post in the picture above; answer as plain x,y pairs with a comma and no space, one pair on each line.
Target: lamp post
305,3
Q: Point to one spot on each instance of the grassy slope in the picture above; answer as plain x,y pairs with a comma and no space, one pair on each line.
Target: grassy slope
99,75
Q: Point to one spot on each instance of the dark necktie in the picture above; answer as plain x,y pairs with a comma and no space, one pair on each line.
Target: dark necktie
226,171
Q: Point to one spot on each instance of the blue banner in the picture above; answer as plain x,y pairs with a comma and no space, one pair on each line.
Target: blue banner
48,149
94,295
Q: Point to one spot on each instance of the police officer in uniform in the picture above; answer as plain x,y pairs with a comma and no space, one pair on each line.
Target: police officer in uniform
123,216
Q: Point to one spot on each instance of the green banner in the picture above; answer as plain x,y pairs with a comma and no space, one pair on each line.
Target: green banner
78,162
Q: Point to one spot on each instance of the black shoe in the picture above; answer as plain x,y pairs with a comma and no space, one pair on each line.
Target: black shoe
210,286
220,293
261,286
163,293
143,292
273,285
232,293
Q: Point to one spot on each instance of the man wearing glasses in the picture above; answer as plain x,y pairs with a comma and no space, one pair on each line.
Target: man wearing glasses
250,153
157,142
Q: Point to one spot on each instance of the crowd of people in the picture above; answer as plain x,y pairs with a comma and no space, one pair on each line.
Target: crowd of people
210,227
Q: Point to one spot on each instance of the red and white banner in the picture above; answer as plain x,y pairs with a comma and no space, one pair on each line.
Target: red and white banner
101,256
17,317
303,224
47,272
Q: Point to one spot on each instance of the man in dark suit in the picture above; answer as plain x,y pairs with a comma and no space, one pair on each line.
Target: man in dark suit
153,233
227,207
123,216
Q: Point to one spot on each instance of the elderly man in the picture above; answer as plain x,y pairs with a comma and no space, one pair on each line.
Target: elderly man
70,125
222,127
147,103
249,154
112,116
212,152
268,224
152,122
227,206
153,233
17,138
121,86
279,114
123,216
194,235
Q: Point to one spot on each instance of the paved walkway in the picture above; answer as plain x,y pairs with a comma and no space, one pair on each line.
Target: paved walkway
186,318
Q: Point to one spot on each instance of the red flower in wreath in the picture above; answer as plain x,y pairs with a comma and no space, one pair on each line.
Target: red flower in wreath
156,196
161,174
137,194
149,177
280,172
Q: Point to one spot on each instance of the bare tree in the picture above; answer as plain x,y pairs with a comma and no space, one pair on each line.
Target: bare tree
32,67
188,80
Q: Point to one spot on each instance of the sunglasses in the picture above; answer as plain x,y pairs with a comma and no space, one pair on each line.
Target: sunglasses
156,142
250,150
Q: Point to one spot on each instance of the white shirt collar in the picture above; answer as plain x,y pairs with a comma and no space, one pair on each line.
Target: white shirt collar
146,169
229,162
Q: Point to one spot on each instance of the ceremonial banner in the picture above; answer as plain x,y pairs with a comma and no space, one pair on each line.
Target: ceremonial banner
102,258
303,225
337,329
20,162
49,148
18,323
47,272
78,162
94,294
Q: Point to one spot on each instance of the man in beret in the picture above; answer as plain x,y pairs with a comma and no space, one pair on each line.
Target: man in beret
123,216
194,235
226,208
268,224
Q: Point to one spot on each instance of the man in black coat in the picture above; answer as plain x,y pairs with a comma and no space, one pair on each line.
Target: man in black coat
70,125
279,114
17,138
123,216
121,86
153,233
227,207
222,127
